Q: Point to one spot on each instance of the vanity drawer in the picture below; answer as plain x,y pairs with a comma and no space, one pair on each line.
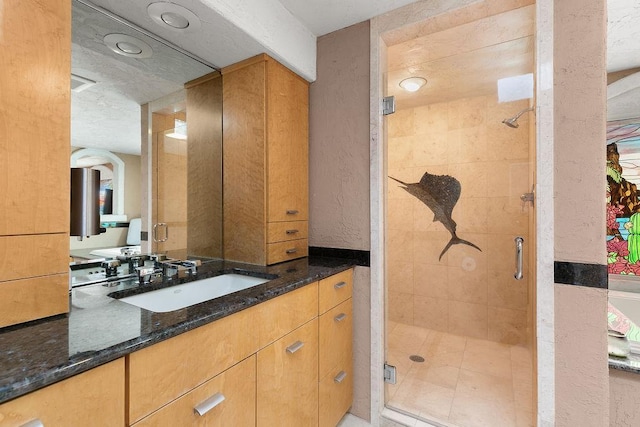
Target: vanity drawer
279,316
285,251
335,289
169,369
336,331
231,393
285,231
34,298
335,396
92,398
287,379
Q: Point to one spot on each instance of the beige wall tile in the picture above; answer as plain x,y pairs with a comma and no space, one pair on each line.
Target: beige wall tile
430,313
400,307
400,124
401,216
431,118
468,319
400,247
472,215
428,245
505,215
466,113
429,149
430,280
467,286
501,251
508,326
400,277
507,292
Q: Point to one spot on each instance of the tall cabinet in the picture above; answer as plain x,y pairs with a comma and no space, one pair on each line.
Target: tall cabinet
265,152
34,141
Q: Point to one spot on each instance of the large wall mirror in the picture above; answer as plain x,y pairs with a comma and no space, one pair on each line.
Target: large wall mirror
149,116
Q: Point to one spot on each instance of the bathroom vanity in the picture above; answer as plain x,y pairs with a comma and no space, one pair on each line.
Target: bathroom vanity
277,351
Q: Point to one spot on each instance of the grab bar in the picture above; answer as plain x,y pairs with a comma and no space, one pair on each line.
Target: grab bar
518,274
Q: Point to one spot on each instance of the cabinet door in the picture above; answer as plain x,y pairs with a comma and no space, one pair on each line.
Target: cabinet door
93,398
287,380
287,145
225,400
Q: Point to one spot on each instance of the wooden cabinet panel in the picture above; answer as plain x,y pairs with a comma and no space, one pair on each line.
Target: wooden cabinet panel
285,231
335,289
336,331
34,298
33,255
167,370
285,251
287,146
244,183
93,398
35,110
237,385
265,151
287,381
335,397
281,315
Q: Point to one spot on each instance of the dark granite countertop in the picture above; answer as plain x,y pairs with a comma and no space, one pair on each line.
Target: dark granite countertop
100,329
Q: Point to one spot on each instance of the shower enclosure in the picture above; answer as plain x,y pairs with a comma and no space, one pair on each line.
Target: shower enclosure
460,176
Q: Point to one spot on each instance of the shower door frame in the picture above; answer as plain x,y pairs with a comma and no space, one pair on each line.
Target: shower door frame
544,297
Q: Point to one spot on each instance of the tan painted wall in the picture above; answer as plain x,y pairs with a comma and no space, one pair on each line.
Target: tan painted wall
467,292
624,398
339,141
579,113
339,174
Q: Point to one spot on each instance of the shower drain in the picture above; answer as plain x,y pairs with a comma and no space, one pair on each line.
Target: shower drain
416,358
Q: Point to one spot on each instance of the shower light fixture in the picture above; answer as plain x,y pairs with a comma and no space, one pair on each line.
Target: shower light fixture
412,84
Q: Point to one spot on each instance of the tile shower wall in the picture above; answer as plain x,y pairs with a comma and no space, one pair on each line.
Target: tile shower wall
467,292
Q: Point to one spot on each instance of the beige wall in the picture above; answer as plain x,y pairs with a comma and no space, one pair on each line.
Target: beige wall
339,174
624,407
579,114
467,292
339,141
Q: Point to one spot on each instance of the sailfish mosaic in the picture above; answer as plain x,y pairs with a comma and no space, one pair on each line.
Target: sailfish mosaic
440,193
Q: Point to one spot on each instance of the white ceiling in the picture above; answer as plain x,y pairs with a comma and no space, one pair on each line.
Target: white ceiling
286,29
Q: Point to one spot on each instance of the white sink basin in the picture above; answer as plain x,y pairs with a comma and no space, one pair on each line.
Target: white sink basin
188,294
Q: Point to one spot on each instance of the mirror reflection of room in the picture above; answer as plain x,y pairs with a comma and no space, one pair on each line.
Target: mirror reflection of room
120,87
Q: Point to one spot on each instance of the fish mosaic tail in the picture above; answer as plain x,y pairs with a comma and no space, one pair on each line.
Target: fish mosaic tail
455,240
397,180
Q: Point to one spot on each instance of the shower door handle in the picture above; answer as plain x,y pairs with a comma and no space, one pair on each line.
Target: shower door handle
518,273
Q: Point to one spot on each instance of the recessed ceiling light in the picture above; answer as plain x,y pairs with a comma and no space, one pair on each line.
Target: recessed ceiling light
413,84
173,17
125,45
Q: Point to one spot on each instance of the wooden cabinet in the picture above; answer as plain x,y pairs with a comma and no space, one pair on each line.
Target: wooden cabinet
93,398
288,379
335,363
35,146
165,371
265,152
225,400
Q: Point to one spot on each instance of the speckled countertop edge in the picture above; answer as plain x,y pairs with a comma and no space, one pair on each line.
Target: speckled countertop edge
629,364
33,356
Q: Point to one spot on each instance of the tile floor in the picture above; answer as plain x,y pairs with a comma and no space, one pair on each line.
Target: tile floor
463,382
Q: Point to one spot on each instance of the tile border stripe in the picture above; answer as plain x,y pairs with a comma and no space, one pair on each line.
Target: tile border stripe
578,274
359,257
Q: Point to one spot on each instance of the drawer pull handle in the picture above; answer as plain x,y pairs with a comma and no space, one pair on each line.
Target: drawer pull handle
340,285
340,377
292,251
33,423
292,212
340,317
207,405
295,347
292,231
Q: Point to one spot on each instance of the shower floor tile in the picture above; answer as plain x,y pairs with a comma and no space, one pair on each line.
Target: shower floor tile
463,382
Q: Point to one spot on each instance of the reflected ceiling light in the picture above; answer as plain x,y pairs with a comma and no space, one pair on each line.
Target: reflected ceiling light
173,17
125,45
413,84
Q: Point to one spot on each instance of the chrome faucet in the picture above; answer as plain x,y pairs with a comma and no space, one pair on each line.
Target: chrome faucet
110,267
149,275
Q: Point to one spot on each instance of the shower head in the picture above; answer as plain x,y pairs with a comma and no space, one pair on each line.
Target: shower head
512,122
